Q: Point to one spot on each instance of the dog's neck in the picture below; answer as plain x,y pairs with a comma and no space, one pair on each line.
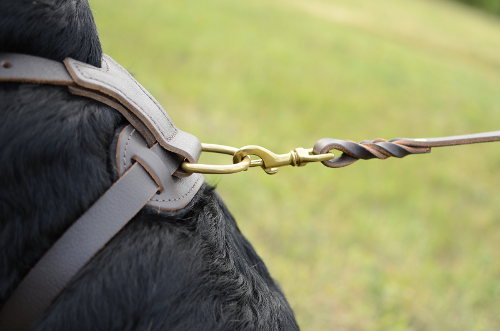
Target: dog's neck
54,29
35,156
55,162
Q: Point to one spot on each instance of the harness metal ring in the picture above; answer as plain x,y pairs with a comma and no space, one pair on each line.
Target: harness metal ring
242,165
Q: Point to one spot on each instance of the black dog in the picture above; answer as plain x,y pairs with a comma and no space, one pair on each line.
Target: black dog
188,270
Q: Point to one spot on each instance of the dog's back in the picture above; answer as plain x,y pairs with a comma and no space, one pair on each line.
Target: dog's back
191,269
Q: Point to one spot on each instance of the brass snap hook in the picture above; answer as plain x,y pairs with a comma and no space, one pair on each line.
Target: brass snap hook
270,161
267,160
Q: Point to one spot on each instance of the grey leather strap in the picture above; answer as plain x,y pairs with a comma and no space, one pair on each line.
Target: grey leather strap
19,68
107,216
110,84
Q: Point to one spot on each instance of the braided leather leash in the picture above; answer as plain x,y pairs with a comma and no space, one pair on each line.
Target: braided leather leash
398,147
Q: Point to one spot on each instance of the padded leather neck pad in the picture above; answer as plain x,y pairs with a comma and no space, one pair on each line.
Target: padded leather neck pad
111,85
178,192
114,81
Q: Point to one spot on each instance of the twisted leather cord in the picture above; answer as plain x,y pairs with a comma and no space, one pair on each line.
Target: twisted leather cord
398,147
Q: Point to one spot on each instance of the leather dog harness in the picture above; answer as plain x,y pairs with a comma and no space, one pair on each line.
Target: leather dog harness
149,153
150,158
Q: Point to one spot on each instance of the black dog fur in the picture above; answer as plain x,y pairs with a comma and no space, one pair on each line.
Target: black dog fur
185,270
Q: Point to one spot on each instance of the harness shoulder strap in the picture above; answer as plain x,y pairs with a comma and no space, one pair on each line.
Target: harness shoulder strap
76,247
146,174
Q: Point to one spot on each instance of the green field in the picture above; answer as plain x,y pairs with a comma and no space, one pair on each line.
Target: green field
400,244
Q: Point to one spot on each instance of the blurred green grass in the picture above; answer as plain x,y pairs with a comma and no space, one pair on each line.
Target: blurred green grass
492,6
410,244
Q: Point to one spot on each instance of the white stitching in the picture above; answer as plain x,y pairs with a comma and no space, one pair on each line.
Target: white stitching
125,150
145,92
182,196
148,95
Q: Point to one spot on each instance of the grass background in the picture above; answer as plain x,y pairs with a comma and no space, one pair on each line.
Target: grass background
400,244
492,6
